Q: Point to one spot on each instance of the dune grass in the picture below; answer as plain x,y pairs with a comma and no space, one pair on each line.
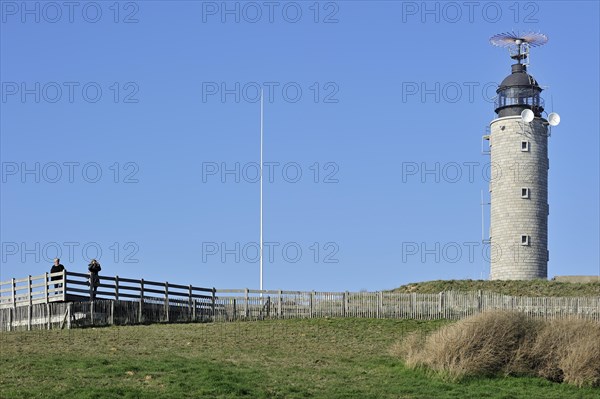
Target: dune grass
318,358
531,288
508,343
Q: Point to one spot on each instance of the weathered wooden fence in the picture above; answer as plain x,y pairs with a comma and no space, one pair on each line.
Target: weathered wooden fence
48,287
35,303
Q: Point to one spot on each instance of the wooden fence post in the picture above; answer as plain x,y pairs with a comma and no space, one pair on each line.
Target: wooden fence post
167,300
194,309
247,308
311,304
14,292
479,301
140,317
69,314
11,318
30,306
64,287
190,299
116,288
234,309
91,284
48,314
29,290
441,304
92,312
29,312
214,302
46,287
279,308
346,304
379,304
111,320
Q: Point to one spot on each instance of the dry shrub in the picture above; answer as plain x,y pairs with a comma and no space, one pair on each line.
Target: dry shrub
566,350
410,348
581,365
496,343
479,345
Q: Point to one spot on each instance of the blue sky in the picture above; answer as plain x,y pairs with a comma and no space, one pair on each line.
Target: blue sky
139,126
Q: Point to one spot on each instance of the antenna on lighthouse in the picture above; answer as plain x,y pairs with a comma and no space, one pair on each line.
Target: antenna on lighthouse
527,115
518,44
553,119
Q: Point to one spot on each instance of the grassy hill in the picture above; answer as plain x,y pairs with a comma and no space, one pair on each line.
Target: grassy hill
516,288
318,358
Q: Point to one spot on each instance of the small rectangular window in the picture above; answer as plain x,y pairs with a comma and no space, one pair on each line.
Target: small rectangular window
525,146
524,240
524,192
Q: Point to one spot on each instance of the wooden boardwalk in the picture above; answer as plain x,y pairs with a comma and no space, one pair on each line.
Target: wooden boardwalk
34,302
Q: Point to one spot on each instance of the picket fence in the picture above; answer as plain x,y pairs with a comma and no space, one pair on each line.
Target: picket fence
37,302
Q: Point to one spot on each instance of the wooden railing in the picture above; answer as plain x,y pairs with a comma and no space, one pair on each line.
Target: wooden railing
33,290
120,288
142,291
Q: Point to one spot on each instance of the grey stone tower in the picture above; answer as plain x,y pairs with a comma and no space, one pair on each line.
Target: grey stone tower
519,177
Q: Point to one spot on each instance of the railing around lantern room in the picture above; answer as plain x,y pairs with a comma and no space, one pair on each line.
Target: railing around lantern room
534,101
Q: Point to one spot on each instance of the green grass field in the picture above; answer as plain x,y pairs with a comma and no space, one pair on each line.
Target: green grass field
531,288
319,358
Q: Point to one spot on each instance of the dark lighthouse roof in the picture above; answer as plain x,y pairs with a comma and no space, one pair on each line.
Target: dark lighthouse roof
519,77
519,91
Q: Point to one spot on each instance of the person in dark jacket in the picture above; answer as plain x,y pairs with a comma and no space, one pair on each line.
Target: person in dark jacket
94,268
56,268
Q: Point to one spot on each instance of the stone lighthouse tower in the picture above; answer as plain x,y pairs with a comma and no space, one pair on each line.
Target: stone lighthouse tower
518,143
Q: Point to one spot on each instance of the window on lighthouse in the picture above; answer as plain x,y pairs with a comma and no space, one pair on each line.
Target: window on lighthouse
525,146
524,192
524,240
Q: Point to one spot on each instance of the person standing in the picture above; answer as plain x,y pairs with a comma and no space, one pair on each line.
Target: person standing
57,268
94,267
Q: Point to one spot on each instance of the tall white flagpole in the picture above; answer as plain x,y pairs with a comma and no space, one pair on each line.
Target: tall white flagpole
261,189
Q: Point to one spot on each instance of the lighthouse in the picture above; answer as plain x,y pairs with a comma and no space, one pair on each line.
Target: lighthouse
518,147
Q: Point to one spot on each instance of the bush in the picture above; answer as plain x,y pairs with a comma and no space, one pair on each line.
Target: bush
496,343
481,345
566,350
410,348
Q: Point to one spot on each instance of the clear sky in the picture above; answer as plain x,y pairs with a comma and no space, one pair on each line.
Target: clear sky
130,133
